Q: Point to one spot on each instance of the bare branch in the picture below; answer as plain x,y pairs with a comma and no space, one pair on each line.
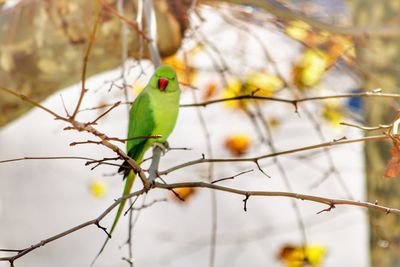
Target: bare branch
312,198
292,101
285,152
30,101
95,221
86,57
327,201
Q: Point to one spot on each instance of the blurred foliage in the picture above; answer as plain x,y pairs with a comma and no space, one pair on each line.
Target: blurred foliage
42,44
309,71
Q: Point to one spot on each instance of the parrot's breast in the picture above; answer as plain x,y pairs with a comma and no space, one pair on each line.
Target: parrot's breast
165,112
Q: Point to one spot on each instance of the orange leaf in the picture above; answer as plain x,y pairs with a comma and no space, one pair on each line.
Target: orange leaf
184,193
393,166
238,144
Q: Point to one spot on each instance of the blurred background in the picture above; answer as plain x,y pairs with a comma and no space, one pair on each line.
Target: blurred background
220,49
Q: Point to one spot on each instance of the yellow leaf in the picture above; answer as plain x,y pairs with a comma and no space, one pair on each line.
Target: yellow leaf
298,256
233,89
238,144
266,83
97,188
298,30
309,71
315,254
301,31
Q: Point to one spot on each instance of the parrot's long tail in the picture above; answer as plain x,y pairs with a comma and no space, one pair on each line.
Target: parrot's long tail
130,179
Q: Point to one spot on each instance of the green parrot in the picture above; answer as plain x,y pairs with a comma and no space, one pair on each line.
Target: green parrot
154,112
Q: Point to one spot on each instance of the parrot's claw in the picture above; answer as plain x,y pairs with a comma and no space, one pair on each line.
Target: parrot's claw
163,147
153,174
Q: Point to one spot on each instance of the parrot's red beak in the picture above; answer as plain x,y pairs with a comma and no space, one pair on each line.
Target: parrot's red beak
162,83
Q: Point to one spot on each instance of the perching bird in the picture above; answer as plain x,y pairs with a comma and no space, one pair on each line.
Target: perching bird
154,112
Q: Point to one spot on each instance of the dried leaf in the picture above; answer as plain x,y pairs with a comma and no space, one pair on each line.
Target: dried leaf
393,166
210,91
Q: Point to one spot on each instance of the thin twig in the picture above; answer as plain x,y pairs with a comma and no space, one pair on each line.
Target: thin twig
231,177
366,128
126,20
106,112
282,170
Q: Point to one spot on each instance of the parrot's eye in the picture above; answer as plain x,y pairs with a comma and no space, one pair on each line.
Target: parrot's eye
162,83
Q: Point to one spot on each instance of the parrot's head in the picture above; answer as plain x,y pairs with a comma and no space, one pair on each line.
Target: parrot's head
164,79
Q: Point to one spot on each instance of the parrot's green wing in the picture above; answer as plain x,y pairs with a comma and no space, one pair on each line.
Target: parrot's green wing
141,123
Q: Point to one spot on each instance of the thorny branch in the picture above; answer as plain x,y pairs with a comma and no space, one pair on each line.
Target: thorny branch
331,202
293,101
285,152
253,95
104,140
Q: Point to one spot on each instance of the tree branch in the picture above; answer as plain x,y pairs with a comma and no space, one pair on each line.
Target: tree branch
292,101
285,152
327,201
86,57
